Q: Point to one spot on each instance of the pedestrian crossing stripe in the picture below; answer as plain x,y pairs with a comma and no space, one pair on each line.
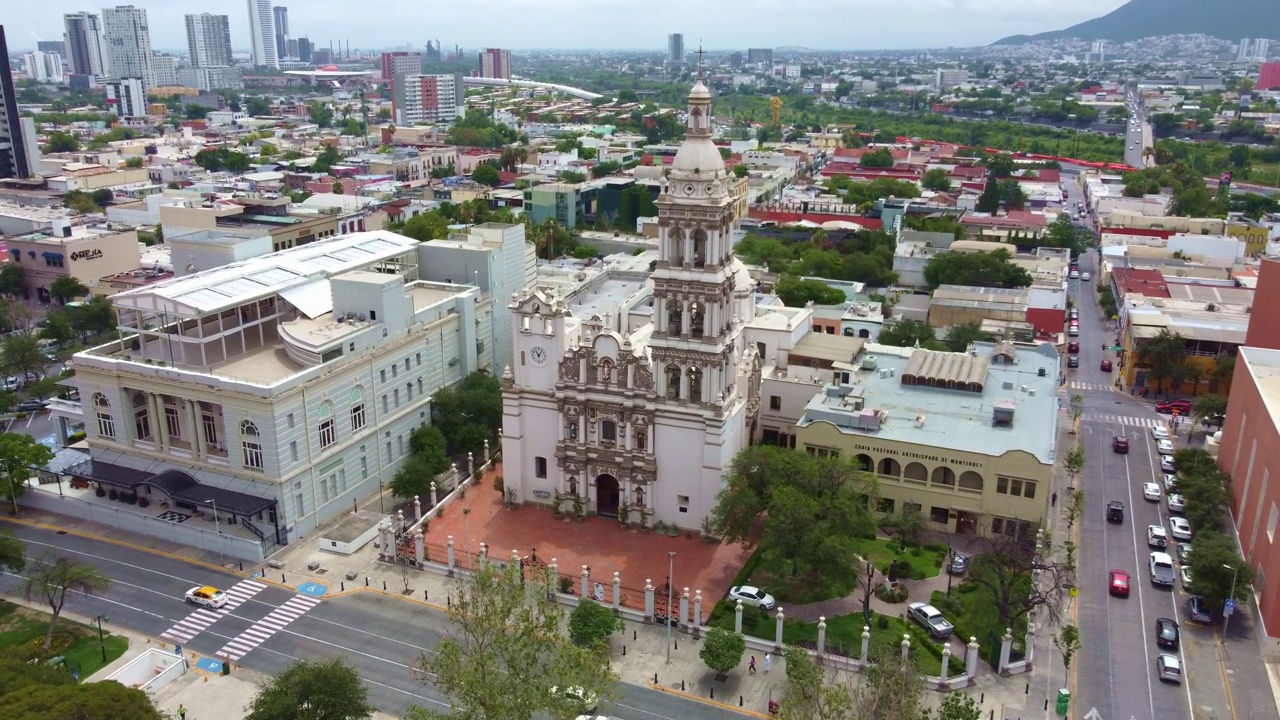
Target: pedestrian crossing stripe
195,623
275,621
1145,422
1076,385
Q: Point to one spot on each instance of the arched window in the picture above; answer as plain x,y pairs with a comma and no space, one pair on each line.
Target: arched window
641,439
102,409
639,496
916,471
573,487
675,316
943,475
675,246
697,319
971,480
695,384
141,416
674,374
699,248
357,409
251,442
889,467
328,428
864,462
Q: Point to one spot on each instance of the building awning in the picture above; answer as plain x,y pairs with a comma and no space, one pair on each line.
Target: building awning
175,483
312,299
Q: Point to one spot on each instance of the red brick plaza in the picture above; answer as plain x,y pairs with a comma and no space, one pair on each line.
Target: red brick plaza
599,543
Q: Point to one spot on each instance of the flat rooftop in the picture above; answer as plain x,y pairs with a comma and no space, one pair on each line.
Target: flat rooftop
954,419
1264,366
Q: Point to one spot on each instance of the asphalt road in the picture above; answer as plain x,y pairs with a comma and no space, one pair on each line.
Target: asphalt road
1116,663
1140,135
381,637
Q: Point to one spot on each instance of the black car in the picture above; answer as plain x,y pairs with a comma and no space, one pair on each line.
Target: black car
1167,633
959,564
1115,511
31,405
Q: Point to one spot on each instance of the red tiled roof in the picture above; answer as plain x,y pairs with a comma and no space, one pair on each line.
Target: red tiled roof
1027,217
968,171
1141,281
1139,232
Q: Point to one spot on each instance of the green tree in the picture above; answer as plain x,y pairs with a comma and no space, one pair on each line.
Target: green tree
197,112
908,333
1164,355
1067,640
65,288
881,158
1011,194
1209,409
486,174
980,269
258,107
762,250
591,624
1003,574
959,706
937,179
502,653
722,650
60,142
960,337
338,189
10,279
572,177
468,414
741,171
1204,487
19,454
326,690
134,162
989,200
13,555
320,113
21,354
82,202
429,458
84,701
51,578
1216,566
810,696
1061,233
796,292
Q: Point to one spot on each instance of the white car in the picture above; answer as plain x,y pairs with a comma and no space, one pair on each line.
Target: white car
1164,447
929,618
1085,276
587,700
752,596
1151,491
1169,480
1176,503
1166,464
207,596
1179,528
1169,668
1160,432
1074,275
1157,537
1185,573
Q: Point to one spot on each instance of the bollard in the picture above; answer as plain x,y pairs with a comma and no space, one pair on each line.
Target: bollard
448,601
681,686
366,581
713,693
1028,690
739,701
282,578
982,698
384,586
633,635
655,678
1046,703
241,566
342,585
425,596
677,643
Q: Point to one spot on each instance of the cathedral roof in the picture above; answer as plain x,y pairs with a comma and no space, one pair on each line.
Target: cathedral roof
697,154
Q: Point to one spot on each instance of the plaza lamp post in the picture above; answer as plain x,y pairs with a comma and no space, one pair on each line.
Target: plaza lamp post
217,528
466,533
1226,616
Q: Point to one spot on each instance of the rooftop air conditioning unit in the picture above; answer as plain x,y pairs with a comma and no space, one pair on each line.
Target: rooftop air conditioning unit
360,317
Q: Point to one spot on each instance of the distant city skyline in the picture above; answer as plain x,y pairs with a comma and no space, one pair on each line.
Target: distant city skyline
719,25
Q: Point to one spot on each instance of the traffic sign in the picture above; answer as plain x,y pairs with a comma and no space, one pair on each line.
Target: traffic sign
1228,607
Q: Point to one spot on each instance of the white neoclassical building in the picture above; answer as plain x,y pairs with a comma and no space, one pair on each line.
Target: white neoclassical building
632,416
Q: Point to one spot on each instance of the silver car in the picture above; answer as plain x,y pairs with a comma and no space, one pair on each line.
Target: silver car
752,596
929,618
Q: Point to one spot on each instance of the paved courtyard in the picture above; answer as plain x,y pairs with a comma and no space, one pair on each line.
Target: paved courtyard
597,542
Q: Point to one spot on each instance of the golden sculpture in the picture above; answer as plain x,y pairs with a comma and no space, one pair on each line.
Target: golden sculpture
775,108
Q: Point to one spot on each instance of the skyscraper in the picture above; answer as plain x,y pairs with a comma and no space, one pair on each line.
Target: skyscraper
128,44
17,134
280,14
52,46
209,40
84,44
304,49
495,63
44,67
427,99
675,49
1243,53
401,63
262,26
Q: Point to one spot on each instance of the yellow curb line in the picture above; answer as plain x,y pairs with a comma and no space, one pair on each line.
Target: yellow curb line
1075,612
122,543
707,701
1222,663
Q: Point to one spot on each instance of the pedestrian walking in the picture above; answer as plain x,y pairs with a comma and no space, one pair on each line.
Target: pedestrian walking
1053,499
768,660
182,711
752,667
599,593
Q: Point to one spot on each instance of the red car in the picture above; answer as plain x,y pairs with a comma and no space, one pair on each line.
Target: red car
1181,407
1120,444
1119,585
1073,348
1106,366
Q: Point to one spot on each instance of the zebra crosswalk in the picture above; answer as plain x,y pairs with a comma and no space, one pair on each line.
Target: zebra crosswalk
1078,385
1143,422
195,623
275,621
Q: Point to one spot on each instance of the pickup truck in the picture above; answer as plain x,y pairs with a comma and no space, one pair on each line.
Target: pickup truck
1162,569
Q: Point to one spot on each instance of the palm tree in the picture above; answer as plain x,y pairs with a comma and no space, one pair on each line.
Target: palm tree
548,233
53,577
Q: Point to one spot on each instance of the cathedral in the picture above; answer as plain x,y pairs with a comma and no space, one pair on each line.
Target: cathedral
639,420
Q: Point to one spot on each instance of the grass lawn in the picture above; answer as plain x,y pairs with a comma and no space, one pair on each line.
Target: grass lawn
844,635
768,570
972,614
914,564
22,630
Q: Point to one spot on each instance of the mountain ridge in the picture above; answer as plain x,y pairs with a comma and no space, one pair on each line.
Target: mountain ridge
1136,19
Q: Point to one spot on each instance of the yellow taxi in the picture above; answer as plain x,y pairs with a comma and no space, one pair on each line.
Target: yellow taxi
207,596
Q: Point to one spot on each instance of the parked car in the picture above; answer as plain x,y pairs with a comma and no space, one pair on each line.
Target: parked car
1167,633
206,596
1176,503
929,618
1115,511
1085,276
1120,444
1169,481
1105,366
1073,361
1166,464
1073,348
1198,610
1164,447
1159,432
959,564
1119,585
1157,537
31,405
752,596
1169,668
587,701
1185,573
1151,491
1183,407
1073,331
1179,528
1184,553
1161,566
12,383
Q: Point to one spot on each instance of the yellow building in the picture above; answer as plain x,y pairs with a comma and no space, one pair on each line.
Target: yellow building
1211,331
1254,236
967,438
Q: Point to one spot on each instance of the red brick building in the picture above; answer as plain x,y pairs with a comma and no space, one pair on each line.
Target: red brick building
1268,77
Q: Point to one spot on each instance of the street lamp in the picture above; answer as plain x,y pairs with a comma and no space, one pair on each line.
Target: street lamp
1226,616
217,527
102,643
671,576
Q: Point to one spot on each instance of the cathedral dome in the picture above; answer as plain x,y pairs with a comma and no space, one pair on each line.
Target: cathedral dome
698,156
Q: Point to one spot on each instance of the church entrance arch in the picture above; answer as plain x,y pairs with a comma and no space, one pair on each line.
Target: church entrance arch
607,495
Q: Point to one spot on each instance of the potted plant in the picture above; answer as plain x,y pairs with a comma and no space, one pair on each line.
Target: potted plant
510,497
624,514
100,492
113,495
557,504
143,502
566,585
579,510
644,522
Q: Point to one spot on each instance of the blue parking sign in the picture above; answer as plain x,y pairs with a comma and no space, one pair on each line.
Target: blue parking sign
1228,607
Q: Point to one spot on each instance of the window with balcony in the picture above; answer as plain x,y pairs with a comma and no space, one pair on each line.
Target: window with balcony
608,431
141,417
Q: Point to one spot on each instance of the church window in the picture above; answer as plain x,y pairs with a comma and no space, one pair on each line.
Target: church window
699,248
573,487
539,467
675,248
675,317
695,384
642,439
639,497
609,431
697,320
673,382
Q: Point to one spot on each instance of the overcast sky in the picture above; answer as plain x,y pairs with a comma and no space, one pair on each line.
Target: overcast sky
597,24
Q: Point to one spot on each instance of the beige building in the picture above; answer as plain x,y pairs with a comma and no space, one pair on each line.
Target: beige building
268,215
83,252
962,304
87,178
967,438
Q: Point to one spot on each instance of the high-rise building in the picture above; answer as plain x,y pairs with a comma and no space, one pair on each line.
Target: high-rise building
735,60
262,28
1268,77
321,56
209,40
401,63
44,67
763,56
84,44
57,47
495,63
1099,50
17,134
1243,54
1261,49
675,49
291,48
304,49
427,99
166,70
214,78
127,97
128,44
280,14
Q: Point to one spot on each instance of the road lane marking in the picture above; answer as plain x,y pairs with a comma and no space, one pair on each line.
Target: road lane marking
1137,559
199,620
262,630
705,701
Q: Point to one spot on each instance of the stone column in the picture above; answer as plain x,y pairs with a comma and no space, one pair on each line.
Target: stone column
617,591
586,582
453,468
684,608
417,508
1006,644
386,540
400,524
197,427
737,617
419,548
486,451
648,600
452,559
777,635
946,661
434,500
866,643
1031,645
161,430
822,634
471,468
971,657
482,555
697,607
906,646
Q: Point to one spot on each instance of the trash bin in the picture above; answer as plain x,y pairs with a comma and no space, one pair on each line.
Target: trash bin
226,670
1064,701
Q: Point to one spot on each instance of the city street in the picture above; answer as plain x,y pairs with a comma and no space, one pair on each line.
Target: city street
1140,135
381,637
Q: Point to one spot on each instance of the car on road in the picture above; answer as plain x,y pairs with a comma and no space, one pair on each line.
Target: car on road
1183,407
1074,314
1073,348
1151,491
1166,464
1105,366
31,405
1073,331
959,564
1159,433
1075,275
1073,361
1161,566
1179,528
1085,275
1164,447
752,596
1167,633
1184,572
930,619
1198,610
1184,553
1176,503
1119,585
1157,537
12,383
1169,668
587,701
1115,511
206,596
1120,444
